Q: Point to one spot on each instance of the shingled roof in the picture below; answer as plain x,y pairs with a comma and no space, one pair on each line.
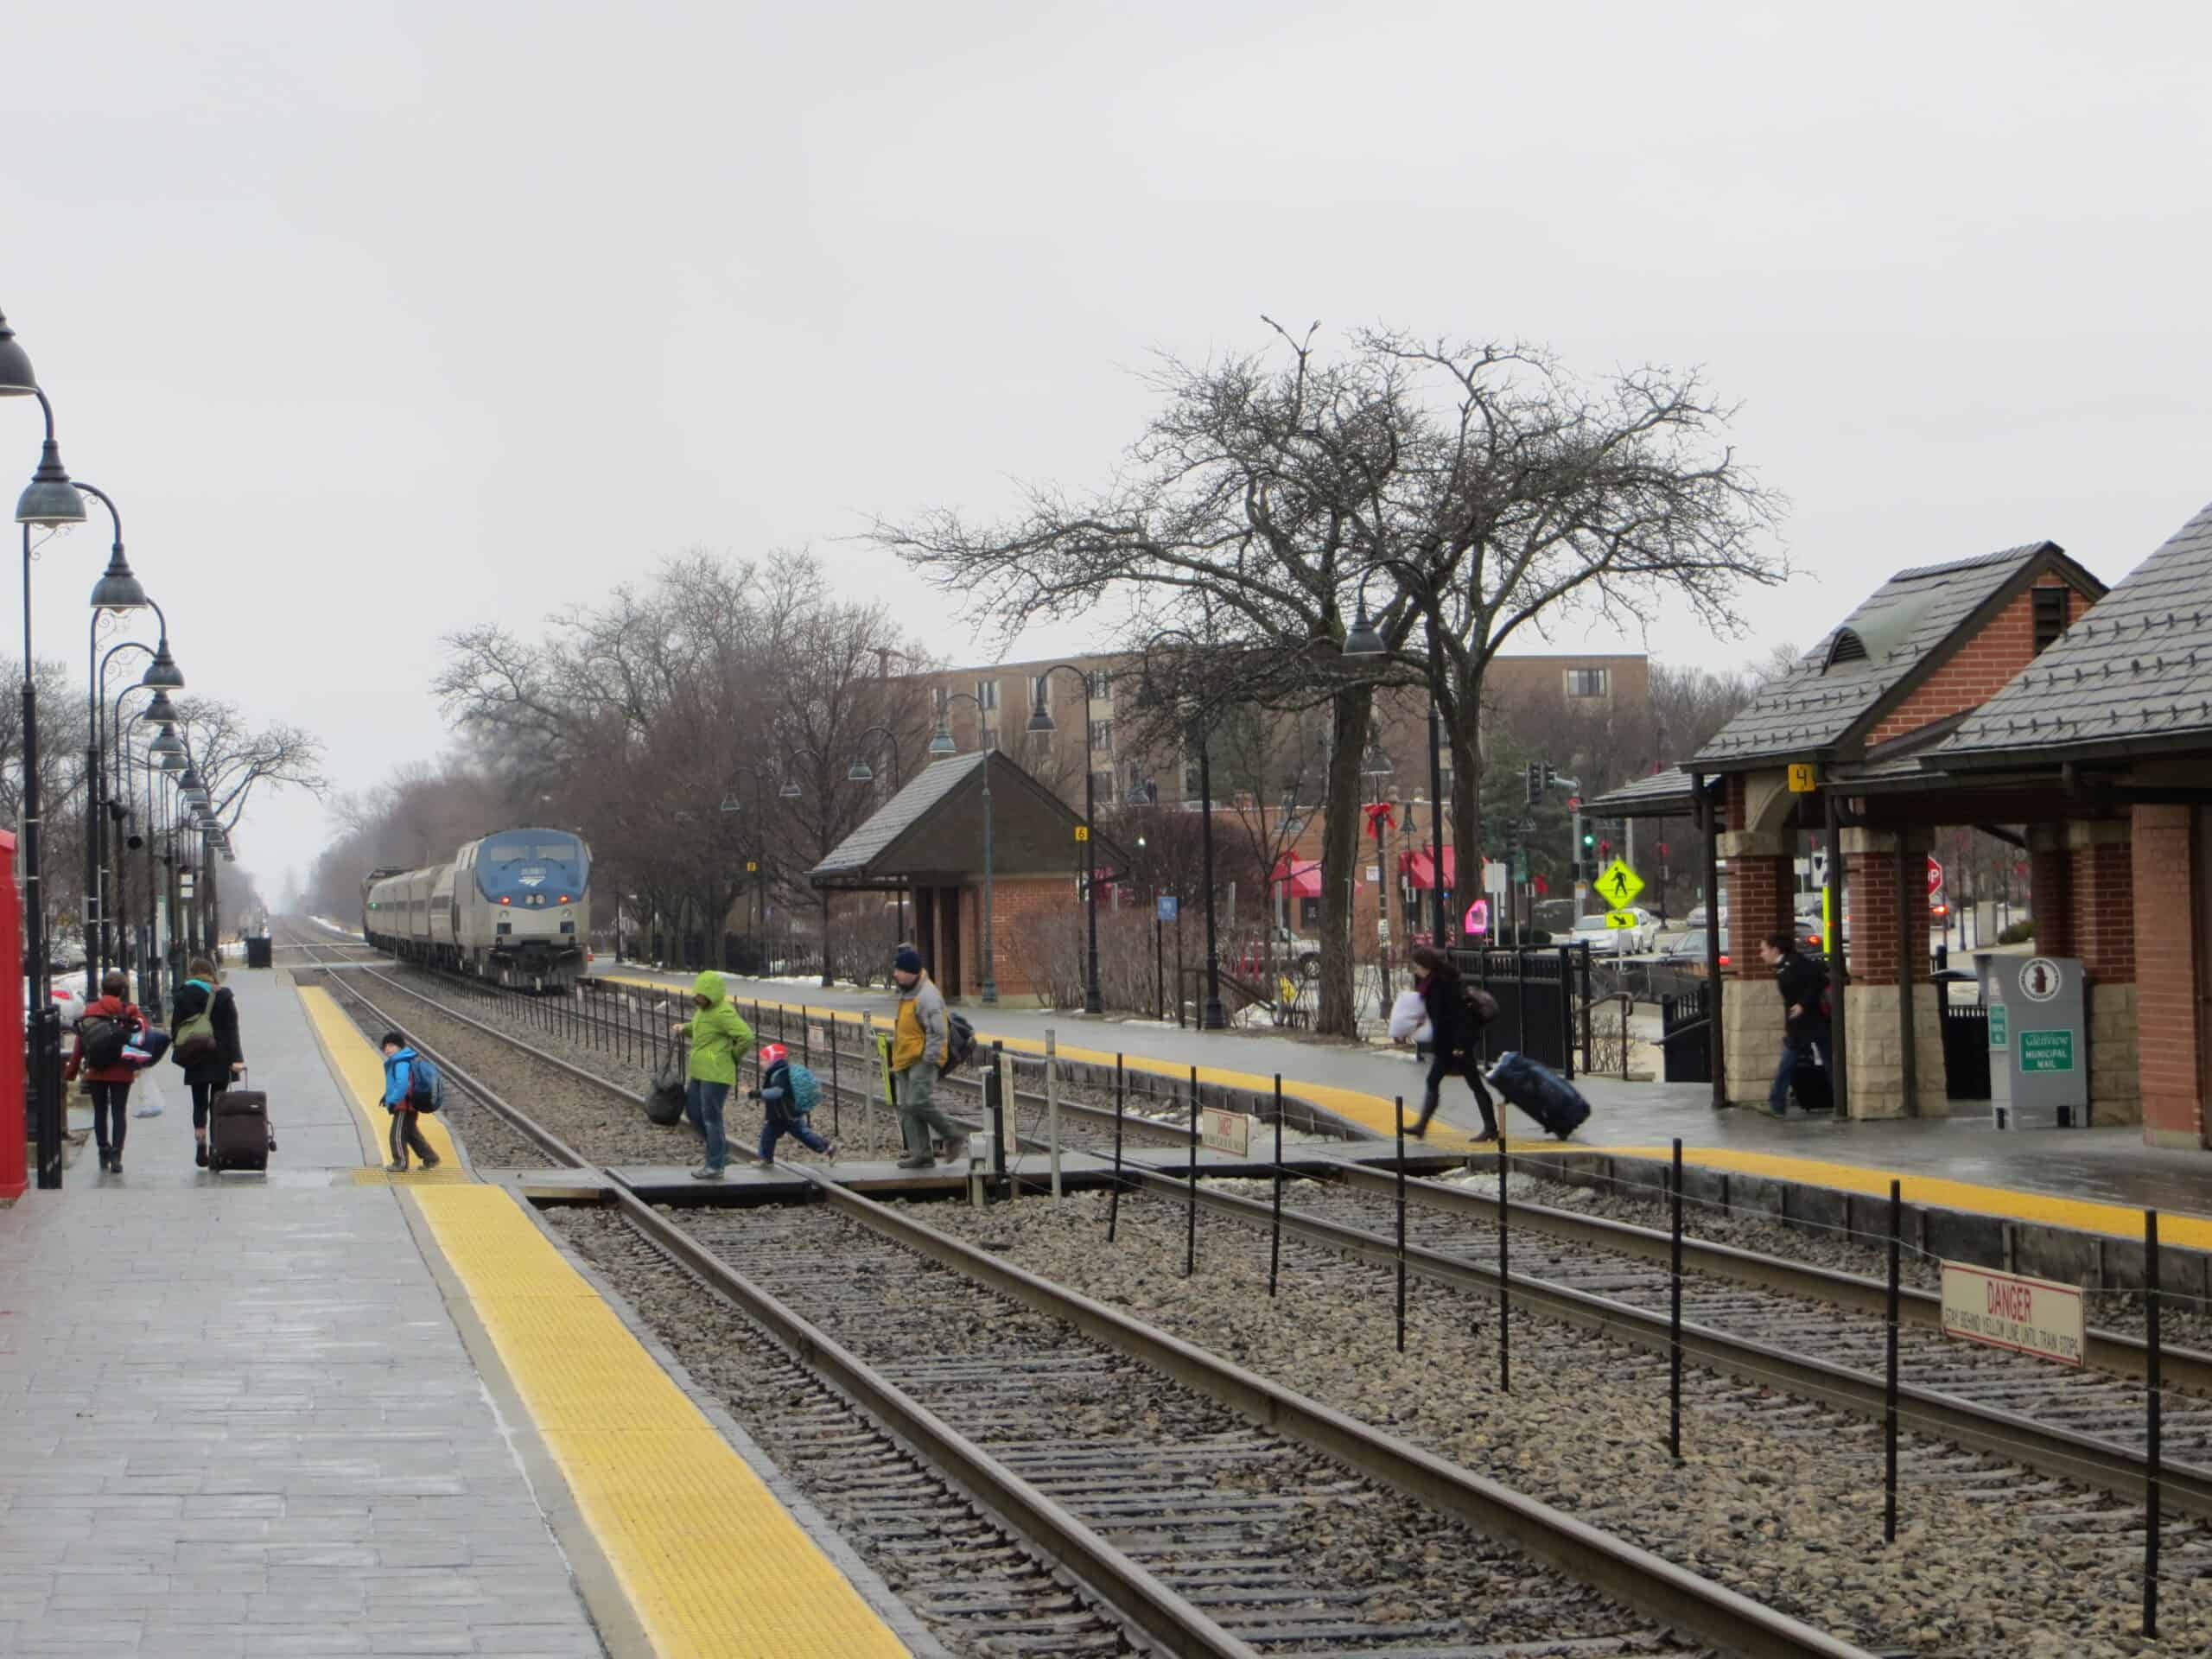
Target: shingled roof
2134,674
1668,794
856,851
934,827
1840,689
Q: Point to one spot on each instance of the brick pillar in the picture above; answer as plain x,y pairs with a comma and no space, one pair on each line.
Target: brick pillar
1875,1026
1759,887
2049,901
2169,961
2101,889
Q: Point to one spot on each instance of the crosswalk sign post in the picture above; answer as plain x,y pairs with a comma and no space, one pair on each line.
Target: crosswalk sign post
1618,885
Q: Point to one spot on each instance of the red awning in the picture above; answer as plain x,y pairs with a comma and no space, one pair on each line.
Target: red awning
1301,875
1415,868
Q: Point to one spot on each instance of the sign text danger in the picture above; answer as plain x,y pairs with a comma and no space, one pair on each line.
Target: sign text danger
2008,1310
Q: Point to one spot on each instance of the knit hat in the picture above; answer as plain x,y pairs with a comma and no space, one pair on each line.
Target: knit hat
909,960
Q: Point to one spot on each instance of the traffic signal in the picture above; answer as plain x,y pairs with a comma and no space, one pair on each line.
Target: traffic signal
1605,849
1589,839
1551,775
1535,782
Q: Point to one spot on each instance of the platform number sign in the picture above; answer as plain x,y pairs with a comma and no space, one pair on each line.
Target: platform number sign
1619,884
1082,832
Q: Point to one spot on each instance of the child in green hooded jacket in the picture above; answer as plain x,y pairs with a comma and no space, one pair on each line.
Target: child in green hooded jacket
720,1041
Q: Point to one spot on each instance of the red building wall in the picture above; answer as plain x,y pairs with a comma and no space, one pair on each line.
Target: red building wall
2169,963
1981,668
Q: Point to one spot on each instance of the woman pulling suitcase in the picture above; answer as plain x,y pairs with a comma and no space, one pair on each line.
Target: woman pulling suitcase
205,1042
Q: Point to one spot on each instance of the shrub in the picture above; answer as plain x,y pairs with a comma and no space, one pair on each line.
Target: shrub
2020,932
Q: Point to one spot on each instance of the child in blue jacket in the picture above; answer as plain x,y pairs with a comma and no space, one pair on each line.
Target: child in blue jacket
406,1133
777,1094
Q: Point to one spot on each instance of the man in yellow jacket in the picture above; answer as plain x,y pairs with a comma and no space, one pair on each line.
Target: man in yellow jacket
918,1050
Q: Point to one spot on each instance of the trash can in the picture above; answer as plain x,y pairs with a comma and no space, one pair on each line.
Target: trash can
2038,1041
259,953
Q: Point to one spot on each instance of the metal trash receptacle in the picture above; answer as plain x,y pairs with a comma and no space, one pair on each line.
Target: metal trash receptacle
2038,1041
260,953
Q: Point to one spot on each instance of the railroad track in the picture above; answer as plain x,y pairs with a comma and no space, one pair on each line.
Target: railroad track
1198,1509
1763,1320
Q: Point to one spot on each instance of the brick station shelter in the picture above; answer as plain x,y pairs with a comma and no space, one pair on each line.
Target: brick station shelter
928,841
2007,689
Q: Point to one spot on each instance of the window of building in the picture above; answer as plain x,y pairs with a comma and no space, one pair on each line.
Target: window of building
1102,737
990,742
1101,787
1102,684
1309,913
1191,780
987,693
1586,682
1037,692
2050,618
939,696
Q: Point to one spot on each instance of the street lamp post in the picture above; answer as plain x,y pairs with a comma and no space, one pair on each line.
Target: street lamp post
118,590
860,772
1212,1016
49,502
941,743
1365,639
1040,721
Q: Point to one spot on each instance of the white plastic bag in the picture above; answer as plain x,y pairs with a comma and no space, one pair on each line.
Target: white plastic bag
149,1093
1409,1018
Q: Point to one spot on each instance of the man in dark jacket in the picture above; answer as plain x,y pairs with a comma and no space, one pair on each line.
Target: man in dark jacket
1804,987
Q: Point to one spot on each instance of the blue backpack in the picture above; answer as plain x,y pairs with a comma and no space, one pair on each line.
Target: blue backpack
805,1090
426,1088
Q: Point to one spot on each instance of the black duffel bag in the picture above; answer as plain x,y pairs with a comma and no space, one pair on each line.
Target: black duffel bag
664,1096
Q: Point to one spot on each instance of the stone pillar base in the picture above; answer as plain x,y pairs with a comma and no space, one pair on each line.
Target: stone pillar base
1751,1037
2115,1079
1875,1059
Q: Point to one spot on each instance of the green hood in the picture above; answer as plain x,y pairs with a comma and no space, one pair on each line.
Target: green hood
708,985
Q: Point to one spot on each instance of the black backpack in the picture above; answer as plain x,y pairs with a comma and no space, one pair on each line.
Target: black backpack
959,1043
1482,1007
104,1039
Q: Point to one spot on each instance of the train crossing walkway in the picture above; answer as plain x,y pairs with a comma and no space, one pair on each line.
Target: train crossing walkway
2096,1181
331,1412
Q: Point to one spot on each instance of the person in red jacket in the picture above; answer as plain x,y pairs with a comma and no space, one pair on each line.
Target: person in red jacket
111,1083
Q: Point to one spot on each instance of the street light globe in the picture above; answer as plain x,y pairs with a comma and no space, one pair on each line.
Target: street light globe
941,742
118,589
50,500
162,673
165,741
1040,718
16,380
791,790
161,710
860,772
1365,639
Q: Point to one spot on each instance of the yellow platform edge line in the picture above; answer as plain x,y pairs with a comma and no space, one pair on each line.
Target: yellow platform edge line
708,1557
2009,1204
361,1068
1375,1113
712,1561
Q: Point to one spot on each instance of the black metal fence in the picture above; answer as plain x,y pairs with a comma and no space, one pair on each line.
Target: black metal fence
1542,994
772,957
1965,1050
1686,1035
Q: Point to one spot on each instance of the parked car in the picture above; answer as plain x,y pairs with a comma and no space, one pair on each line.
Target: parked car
1695,920
1688,953
1602,939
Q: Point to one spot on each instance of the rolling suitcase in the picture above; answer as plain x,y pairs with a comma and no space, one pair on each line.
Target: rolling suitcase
1809,1083
1556,1104
238,1130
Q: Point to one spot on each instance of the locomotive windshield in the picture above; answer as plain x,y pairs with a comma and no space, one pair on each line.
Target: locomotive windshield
532,868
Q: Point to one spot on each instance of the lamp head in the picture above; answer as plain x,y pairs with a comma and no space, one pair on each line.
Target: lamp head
166,742
860,772
731,803
162,673
1040,717
1365,639
161,710
16,380
118,589
791,790
1375,764
50,500
941,741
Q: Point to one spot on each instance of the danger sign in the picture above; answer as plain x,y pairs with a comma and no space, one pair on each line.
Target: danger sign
2008,1310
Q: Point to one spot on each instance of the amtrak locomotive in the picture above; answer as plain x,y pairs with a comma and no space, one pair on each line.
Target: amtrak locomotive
510,908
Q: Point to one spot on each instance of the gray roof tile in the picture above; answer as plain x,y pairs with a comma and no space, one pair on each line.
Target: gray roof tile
2136,668
1815,706
938,780
1664,794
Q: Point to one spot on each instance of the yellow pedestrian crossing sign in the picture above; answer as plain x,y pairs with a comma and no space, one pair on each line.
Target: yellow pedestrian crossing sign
1619,885
1622,919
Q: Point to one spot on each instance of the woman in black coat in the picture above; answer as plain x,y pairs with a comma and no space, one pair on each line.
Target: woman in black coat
1451,1037
209,1072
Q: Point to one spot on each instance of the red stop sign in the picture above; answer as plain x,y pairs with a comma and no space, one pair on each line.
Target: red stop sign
1575,803
1934,877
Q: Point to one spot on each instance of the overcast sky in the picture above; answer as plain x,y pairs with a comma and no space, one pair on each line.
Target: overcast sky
382,320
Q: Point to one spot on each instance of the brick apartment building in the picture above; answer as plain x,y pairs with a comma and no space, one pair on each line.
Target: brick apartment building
1097,727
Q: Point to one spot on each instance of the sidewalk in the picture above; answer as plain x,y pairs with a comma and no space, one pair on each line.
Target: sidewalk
239,1417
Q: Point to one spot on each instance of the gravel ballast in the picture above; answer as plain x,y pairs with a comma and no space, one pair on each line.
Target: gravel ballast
1776,1497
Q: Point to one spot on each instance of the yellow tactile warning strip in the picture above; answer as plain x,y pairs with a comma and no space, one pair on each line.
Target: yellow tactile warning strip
1369,1111
2008,1203
362,1068
712,1562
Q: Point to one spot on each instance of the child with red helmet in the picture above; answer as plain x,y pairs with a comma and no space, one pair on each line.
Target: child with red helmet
788,1092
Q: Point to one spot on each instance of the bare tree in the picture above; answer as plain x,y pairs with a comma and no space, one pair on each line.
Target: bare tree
235,759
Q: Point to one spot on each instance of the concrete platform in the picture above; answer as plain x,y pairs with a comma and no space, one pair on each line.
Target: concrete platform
331,1411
